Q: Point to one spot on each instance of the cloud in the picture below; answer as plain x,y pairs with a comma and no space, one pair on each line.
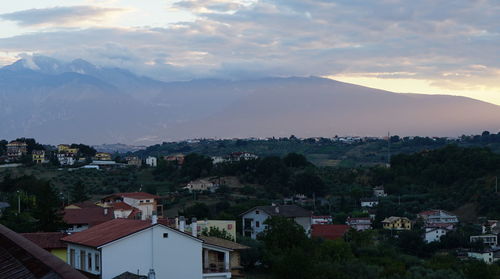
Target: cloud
71,16
435,40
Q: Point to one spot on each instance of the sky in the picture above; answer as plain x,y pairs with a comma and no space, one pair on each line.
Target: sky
426,46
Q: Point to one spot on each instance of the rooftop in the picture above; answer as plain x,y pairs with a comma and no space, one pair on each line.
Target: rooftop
21,258
223,243
107,232
86,215
331,232
46,240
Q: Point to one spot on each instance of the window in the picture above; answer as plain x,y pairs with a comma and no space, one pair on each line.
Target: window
89,261
147,200
72,257
257,224
257,212
165,235
97,262
82,260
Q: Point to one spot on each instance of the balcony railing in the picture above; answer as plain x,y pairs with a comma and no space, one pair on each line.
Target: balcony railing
216,268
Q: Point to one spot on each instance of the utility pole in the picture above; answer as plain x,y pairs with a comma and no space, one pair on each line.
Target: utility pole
388,149
18,202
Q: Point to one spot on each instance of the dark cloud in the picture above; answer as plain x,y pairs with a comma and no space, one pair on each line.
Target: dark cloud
425,39
58,15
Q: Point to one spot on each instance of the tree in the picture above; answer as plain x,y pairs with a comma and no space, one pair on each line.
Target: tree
216,232
295,160
79,192
47,208
198,210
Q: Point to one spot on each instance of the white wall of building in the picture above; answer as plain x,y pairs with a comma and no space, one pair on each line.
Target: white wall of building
257,224
176,256
146,206
432,235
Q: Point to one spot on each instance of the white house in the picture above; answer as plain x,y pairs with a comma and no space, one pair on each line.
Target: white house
432,234
379,192
142,247
65,159
432,217
488,256
151,161
369,202
253,219
487,239
147,203
360,224
203,184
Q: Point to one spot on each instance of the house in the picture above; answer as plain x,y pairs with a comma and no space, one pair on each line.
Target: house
379,192
177,158
122,210
227,225
491,226
432,234
102,156
38,156
151,161
203,184
109,165
240,156
21,258
146,203
432,217
321,220
329,231
65,159
133,161
253,219
359,224
369,202
66,149
396,223
16,149
85,215
487,255
50,241
146,248
234,254
487,239
218,160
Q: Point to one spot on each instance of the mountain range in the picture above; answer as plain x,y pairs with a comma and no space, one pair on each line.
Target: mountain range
65,102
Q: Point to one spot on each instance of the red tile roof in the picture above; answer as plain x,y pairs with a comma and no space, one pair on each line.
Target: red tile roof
331,232
107,232
88,215
46,240
21,258
121,206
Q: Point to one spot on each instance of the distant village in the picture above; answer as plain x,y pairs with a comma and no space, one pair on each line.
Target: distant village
100,233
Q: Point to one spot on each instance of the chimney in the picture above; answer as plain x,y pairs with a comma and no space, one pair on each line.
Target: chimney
182,223
154,219
194,227
105,211
277,209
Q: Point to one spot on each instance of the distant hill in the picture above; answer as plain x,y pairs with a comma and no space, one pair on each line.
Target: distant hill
58,102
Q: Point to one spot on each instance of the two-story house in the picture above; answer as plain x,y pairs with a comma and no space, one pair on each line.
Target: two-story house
148,204
432,217
38,156
16,149
253,219
396,223
146,248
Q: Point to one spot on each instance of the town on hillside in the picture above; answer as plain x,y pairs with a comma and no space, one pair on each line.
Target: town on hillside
71,211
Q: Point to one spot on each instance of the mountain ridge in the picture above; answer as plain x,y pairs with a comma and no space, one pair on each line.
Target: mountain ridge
75,101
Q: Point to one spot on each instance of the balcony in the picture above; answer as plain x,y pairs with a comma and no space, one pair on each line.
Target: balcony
216,263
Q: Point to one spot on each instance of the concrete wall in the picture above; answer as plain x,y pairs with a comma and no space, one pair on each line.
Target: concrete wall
176,256
305,222
261,218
